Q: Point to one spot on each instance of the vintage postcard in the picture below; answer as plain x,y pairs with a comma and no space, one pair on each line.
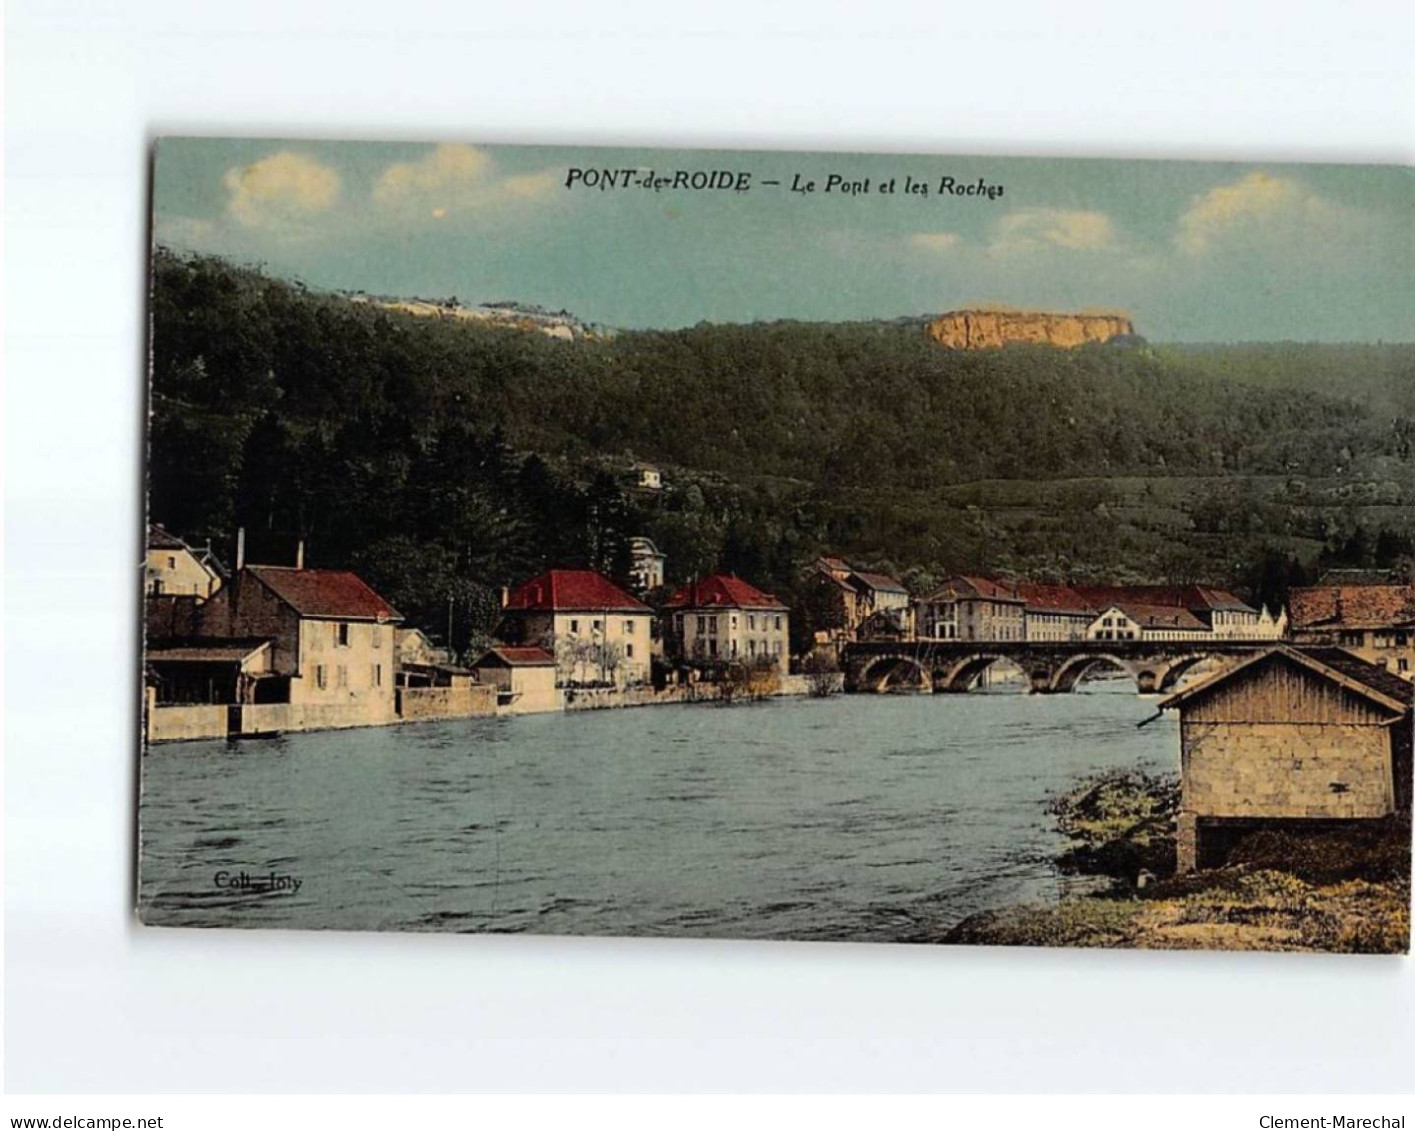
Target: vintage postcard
779,546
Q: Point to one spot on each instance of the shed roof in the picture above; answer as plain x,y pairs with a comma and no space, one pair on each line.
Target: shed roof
572,590
1371,681
509,656
724,591
205,650
332,594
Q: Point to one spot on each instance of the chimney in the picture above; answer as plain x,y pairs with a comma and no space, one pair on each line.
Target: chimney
240,548
300,554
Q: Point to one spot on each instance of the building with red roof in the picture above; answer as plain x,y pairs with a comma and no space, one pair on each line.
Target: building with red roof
972,608
597,632
525,678
332,637
722,617
1375,622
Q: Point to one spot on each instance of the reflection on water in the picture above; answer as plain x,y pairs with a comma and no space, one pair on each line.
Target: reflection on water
848,818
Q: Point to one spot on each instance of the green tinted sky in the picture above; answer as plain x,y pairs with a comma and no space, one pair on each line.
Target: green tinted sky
1196,252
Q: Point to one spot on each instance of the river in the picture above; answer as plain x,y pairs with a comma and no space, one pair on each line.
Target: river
856,817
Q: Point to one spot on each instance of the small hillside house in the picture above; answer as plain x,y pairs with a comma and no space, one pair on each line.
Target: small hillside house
647,564
597,632
1291,737
725,618
332,642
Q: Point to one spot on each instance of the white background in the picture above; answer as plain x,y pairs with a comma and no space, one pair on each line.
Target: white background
95,1004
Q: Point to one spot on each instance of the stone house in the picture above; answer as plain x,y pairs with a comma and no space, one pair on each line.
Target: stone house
1300,738
879,593
333,653
525,679
972,608
597,632
1376,622
725,618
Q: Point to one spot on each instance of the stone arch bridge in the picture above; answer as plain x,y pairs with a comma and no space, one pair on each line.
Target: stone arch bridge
1050,666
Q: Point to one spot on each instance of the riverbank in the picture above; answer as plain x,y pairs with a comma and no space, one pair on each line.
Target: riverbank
1346,891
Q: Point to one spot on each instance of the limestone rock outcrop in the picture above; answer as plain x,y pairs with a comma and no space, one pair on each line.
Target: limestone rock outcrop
992,329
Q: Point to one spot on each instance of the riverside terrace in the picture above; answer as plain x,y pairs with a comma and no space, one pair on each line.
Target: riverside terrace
958,665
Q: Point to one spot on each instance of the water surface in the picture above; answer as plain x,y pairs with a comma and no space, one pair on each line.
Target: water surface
857,817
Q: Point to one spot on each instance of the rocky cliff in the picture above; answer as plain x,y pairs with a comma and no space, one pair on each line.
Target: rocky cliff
991,329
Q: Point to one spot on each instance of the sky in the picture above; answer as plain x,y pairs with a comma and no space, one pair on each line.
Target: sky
1193,251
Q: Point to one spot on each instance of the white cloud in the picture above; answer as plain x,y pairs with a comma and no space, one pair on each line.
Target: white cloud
935,241
281,191
451,179
1262,208
1042,229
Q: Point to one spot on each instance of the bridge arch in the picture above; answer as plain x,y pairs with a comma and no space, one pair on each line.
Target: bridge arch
894,672
1073,670
964,674
1170,677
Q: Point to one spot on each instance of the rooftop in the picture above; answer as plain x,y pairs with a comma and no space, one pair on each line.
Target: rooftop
505,655
332,594
721,591
1357,606
572,590
1369,680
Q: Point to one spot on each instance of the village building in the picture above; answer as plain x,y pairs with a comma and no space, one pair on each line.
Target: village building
1297,738
332,646
647,477
175,569
525,678
1054,613
597,632
1375,622
883,598
1135,621
1218,611
197,670
972,608
647,564
725,618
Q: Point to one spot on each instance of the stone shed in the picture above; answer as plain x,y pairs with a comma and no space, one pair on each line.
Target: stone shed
1296,737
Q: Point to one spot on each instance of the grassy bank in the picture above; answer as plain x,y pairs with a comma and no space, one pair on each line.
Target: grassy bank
1345,891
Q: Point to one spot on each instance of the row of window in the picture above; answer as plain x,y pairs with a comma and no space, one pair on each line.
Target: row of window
597,625
754,648
341,676
707,626
339,632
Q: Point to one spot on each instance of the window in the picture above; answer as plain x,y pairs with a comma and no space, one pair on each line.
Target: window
776,646
702,625
712,648
751,647
171,562
778,622
574,627
733,652
734,621
378,636
378,675
629,651
341,676
594,626
341,635
320,680
1402,664
157,587
1402,639
628,628
752,621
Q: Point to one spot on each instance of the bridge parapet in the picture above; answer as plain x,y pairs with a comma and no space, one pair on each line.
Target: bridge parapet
1050,666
